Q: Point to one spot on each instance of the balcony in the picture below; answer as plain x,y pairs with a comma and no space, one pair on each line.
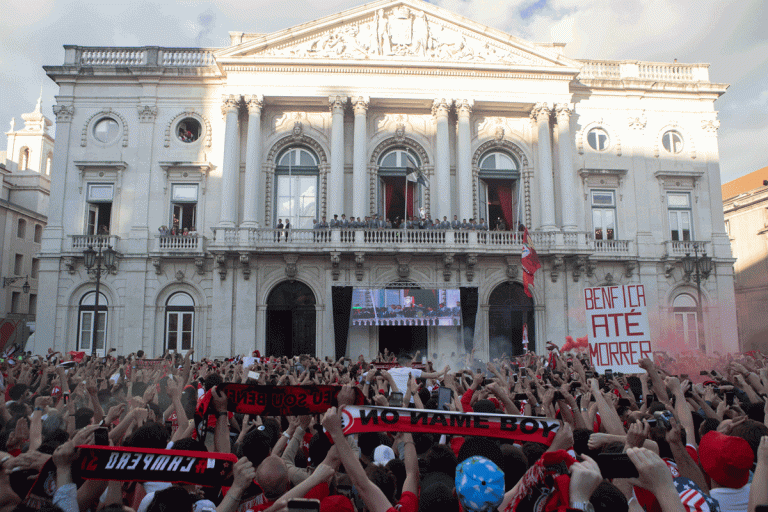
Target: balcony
393,241
678,249
79,243
613,248
178,245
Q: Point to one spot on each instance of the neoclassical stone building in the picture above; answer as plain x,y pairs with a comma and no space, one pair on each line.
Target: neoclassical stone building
612,164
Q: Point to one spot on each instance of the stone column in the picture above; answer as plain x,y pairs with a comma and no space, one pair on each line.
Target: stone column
336,181
546,185
230,164
139,224
464,164
53,233
253,189
359,167
441,186
567,174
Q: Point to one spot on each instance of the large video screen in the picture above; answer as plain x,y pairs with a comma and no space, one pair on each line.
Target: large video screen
405,306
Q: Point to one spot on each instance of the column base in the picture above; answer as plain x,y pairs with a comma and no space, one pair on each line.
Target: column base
570,228
249,224
549,229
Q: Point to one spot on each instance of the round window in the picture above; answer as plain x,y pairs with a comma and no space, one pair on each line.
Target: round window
672,141
189,129
106,130
597,138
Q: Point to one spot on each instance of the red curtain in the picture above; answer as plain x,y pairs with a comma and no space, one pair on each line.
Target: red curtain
390,192
504,192
409,188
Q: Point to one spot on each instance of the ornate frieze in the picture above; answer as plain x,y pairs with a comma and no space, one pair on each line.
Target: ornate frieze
147,113
64,113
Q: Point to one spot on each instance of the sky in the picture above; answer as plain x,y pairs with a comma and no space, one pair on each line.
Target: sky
729,35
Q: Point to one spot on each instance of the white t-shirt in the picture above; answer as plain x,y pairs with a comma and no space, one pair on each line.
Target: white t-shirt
731,500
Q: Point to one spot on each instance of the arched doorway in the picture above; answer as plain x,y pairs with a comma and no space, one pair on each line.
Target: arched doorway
290,320
509,308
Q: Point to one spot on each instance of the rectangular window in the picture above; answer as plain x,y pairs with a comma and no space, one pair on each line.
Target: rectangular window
35,268
179,330
21,231
679,208
32,304
18,265
297,200
98,218
184,207
15,302
604,214
86,334
687,328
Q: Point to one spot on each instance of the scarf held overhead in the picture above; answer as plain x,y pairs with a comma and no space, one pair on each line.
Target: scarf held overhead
358,420
148,464
282,400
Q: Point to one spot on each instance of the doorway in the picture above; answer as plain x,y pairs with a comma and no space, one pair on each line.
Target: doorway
509,309
403,339
290,320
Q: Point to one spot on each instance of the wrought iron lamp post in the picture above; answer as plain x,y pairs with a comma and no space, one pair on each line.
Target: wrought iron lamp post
10,280
98,263
700,267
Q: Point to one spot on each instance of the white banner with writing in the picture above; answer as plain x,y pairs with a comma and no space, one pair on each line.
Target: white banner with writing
619,334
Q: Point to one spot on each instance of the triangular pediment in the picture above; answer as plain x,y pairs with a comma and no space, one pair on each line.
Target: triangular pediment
396,31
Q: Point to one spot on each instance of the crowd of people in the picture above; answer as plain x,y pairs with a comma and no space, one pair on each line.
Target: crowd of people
377,221
651,441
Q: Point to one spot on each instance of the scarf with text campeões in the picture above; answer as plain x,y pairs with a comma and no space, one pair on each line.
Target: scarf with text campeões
358,420
258,400
208,469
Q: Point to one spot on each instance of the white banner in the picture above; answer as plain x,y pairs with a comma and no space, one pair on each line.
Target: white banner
617,320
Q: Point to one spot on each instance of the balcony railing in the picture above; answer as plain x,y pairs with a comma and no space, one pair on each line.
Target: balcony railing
80,243
658,71
677,248
612,246
179,243
392,240
138,56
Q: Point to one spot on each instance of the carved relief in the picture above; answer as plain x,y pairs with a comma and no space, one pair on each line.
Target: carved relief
179,275
229,103
69,263
557,264
710,125
200,264
254,103
335,262
290,265
245,263
402,32
157,265
512,269
447,263
221,262
629,268
578,267
403,266
359,268
540,113
637,122
471,262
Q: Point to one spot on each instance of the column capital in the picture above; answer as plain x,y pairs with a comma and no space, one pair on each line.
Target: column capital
360,105
254,102
540,112
563,112
147,113
64,113
229,103
337,103
464,107
441,107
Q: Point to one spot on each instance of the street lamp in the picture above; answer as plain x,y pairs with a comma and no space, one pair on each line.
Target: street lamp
97,263
700,267
10,280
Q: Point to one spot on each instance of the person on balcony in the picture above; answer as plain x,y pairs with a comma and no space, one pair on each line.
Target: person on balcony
279,228
445,224
163,230
500,225
104,230
455,223
465,224
334,222
193,231
287,230
344,223
483,226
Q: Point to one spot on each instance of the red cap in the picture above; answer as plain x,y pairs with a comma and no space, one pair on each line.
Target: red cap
726,459
336,503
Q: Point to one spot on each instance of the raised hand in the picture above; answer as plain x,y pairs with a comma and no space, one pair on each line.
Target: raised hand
637,434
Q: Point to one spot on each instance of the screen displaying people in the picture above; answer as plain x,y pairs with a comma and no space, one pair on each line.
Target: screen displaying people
406,306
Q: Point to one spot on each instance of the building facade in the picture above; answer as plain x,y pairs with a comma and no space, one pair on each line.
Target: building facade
25,168
612,165
745,204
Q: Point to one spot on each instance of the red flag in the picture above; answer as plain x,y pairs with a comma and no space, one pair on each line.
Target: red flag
531,264
76,356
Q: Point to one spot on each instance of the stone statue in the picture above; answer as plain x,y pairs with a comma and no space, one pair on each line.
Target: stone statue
420,35
13,123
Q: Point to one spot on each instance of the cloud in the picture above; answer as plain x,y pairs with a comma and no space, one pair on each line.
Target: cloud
728,34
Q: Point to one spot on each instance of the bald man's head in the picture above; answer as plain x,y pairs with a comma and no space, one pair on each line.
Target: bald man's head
272,476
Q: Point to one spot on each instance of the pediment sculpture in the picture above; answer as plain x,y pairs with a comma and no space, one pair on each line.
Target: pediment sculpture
404,32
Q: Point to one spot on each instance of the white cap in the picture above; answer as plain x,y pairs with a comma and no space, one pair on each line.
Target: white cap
383,454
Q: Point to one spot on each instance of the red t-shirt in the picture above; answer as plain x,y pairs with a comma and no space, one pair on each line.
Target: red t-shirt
409,502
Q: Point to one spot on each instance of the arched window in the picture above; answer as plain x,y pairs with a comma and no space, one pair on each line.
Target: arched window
38,233
48,163
497,190
399,194
86,313
179,322
685,311
21,230
24,159
296,190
